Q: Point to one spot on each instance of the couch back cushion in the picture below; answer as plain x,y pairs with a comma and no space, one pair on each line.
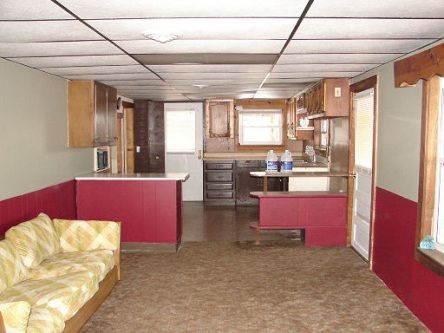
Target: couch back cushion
12,269
15,316
35,240
77,235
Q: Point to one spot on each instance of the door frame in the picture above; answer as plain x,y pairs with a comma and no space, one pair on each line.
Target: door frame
371,82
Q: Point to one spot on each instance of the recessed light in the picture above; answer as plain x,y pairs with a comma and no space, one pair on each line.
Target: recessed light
162,37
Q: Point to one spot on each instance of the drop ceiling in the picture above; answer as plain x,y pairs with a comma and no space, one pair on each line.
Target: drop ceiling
226,49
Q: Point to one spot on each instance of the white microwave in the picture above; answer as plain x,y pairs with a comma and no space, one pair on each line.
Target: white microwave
101,159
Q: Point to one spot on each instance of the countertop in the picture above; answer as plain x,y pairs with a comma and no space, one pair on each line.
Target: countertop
240,156
302,194
177,176
297,174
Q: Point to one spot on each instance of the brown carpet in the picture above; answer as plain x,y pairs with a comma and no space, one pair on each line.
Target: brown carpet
224,287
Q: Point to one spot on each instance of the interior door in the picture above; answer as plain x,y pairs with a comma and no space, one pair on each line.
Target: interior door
184,140
362,199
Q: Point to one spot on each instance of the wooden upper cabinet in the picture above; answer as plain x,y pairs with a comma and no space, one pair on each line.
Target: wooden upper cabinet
328,98
91,114
219,117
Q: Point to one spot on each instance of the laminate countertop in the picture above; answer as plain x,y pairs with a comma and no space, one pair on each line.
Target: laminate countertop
242,156
177,176
297,174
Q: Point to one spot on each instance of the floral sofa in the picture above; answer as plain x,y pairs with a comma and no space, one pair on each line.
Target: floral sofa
55,273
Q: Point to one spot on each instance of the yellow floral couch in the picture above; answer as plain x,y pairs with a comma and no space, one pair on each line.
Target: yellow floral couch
55,273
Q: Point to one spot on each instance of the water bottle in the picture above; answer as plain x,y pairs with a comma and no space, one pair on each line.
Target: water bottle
272,161
286,162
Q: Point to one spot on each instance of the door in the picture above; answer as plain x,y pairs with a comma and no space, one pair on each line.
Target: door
183,139
363,117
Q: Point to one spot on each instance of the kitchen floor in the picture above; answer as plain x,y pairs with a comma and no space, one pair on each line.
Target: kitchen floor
225,223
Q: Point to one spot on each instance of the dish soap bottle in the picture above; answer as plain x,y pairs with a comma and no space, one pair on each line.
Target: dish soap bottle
286,161
272,161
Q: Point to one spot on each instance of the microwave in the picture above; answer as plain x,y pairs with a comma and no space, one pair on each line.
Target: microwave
101,159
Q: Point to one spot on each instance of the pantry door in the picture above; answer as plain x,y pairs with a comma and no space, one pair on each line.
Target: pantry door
183,145
363,118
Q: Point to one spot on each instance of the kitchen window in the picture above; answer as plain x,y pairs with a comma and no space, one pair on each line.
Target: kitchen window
260,127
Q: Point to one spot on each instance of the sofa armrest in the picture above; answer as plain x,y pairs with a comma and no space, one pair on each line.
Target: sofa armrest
14,316
79,235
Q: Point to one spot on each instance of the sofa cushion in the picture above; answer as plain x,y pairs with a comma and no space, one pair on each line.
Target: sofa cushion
12,269
77,235
15,316
66,293
99,261
45,320
35,239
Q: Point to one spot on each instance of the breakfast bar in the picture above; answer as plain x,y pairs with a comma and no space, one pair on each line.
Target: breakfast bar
149,205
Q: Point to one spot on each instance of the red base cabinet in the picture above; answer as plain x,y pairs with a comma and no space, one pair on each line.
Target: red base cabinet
150,210
323,215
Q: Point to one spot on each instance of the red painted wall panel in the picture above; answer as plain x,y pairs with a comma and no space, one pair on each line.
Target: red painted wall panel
148,210
393,259
56,201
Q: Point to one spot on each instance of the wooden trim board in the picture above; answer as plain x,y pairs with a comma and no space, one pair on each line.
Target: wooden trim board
2,324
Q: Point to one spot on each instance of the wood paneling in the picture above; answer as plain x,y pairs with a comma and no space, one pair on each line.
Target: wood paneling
57,201
130,149
423,65
149,210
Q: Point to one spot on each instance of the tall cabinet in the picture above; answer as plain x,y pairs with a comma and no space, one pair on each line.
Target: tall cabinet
92,110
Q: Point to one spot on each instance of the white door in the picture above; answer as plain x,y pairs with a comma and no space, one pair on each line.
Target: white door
183,145
362,203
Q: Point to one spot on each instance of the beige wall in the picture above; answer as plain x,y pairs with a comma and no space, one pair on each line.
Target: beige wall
399,131
33,152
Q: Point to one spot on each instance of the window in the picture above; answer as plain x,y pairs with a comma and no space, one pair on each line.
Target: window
364,128
260,127
180,134
438,225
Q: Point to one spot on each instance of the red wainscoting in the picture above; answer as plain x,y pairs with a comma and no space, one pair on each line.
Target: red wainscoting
149,210
56,201
393,260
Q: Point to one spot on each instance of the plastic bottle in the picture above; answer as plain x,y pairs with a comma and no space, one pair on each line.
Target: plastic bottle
272,161
286,162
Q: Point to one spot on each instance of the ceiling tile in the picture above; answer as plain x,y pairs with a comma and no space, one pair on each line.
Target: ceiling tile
211,76
213,82
152,82
129,69
304,75
355,46
57,49
288,68
202,46
287,83
376,8
101,77
184,8
334,28
207,58
274,94
335,58
67,61
198,28
210,68
28,10
123,87
45,31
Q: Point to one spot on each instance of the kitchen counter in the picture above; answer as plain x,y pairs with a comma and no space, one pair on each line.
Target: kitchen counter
297,174
240,156
179,176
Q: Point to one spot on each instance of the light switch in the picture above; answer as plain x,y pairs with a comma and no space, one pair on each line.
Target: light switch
337,91
137,149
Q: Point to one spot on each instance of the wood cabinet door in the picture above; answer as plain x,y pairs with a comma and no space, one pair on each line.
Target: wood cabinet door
112,115
100,115
219,118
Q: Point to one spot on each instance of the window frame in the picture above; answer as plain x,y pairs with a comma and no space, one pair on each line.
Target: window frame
431,104
280,126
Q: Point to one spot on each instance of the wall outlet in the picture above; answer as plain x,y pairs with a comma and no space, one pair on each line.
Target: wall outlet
337,91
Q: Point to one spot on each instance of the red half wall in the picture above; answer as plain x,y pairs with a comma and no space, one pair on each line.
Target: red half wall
56,201
394,262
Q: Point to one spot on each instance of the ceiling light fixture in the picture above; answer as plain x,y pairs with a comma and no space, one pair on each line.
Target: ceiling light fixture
200,86
162,37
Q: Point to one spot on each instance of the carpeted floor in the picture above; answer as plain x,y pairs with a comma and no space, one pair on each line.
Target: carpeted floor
227,287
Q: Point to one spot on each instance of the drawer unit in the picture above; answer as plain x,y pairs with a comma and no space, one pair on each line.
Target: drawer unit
219,182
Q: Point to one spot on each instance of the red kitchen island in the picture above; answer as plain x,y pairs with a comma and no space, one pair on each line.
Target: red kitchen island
322,215
149,206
